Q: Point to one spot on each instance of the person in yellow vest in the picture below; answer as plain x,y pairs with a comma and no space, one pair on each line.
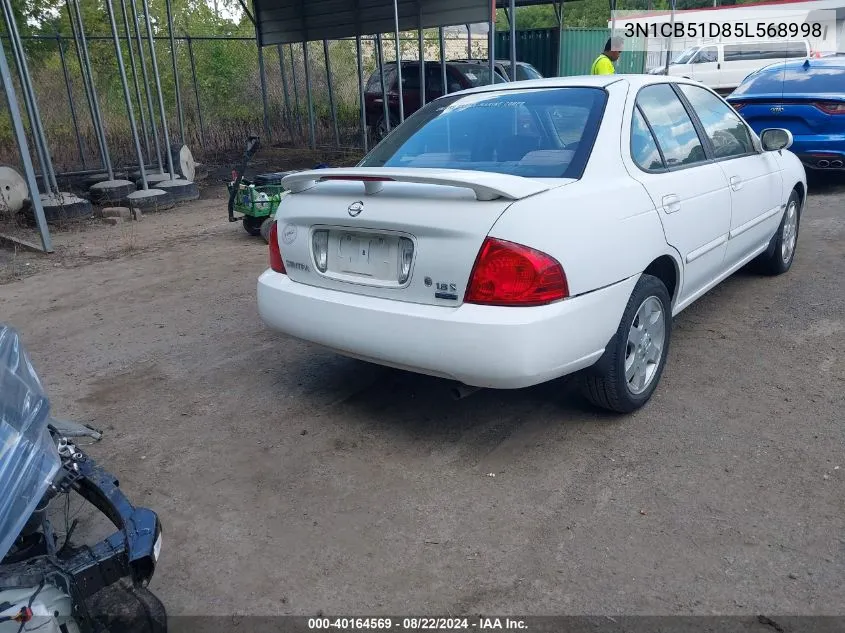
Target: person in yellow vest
604,62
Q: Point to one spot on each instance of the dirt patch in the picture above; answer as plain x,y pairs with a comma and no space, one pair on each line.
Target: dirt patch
81,242
291,480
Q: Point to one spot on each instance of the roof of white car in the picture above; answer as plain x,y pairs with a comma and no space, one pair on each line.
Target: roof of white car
586,81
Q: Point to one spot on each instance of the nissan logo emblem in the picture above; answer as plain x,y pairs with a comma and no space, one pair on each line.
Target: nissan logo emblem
355,208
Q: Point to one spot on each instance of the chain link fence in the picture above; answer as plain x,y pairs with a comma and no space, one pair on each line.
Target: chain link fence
220,100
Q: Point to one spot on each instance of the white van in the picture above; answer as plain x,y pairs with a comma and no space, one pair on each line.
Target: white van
723,66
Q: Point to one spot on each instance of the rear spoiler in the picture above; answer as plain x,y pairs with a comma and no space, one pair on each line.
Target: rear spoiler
485,185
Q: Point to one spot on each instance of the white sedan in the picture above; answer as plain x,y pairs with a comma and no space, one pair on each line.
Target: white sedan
508,235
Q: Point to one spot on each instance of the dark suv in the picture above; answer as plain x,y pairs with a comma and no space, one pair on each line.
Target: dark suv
459,76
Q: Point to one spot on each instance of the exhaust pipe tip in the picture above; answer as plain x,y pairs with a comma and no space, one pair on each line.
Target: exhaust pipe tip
823,163
836,163
461,391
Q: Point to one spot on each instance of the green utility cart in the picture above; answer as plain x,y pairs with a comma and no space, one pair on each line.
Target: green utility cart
255,200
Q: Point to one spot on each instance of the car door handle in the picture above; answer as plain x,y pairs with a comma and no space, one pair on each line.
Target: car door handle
671,203
736,183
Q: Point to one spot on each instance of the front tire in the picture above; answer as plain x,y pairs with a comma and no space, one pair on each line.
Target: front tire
627,374
779,256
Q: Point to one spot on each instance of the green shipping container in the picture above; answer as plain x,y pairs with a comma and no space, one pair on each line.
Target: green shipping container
582,46
537,47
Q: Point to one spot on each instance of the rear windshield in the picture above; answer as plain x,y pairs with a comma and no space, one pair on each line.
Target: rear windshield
477,74
526,71
795,80
536,133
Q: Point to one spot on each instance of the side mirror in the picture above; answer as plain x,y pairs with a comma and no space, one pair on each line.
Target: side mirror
775,139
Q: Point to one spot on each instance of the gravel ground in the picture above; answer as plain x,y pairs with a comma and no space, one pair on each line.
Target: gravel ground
291,480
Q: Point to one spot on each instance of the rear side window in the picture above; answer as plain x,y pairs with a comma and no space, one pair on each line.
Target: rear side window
795,80
740,52
536,133
765,50
673,128
643,147
727,133
796,49
433,79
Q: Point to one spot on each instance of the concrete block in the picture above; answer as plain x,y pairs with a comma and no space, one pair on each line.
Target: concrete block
113,221
117,212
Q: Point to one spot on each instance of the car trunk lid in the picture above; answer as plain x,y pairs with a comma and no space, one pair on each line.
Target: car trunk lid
800,115
350,229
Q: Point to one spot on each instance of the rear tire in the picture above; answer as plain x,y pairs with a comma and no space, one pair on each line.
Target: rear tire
627,374
252,225
779,256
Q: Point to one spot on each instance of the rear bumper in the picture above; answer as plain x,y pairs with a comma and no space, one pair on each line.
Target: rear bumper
483,346
822,152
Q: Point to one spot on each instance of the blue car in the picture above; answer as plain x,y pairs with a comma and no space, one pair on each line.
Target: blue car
807,97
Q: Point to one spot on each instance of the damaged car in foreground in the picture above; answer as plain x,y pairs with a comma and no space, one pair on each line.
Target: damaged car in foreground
49,582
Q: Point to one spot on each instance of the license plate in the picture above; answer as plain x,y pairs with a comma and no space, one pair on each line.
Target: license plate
367,254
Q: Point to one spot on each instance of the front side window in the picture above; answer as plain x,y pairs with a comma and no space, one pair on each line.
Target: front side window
706,55
726,131
673,128
536,133
686,56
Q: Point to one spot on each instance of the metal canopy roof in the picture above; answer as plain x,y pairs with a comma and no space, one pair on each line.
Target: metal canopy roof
288,21
293,21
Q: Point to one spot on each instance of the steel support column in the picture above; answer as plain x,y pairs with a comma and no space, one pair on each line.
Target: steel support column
23,149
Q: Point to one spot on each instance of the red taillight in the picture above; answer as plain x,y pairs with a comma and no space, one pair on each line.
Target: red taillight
276,262
508,274
831,107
